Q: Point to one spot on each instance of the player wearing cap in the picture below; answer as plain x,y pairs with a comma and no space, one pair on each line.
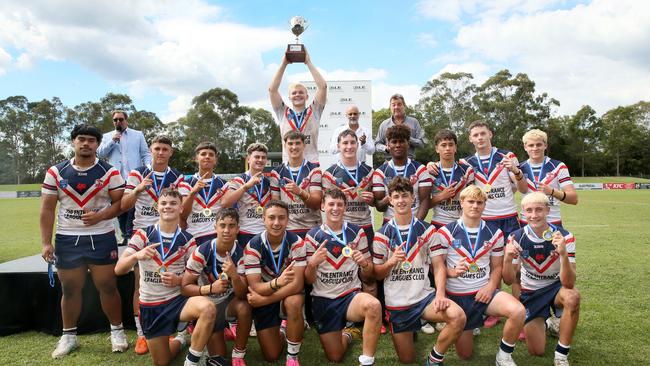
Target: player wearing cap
88,192
203,192
338,258
474,263
403,254
545,255
216,270
274,263
162,251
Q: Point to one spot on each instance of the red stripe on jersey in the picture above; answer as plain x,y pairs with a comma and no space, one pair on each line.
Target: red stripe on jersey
197,258
250,252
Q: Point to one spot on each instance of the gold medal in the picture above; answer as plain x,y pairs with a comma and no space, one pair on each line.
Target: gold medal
259,210
487,188
162,269
347,251
359,191
155,206
473,268
206,212
223,276
547,234
406,265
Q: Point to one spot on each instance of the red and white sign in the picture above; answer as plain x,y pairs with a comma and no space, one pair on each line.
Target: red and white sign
618,186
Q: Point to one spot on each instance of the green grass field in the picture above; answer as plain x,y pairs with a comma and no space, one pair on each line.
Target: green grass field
611,229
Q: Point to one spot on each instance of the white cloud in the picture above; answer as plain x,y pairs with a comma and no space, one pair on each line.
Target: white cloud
455,10
5,61
177,108
478,70
426,40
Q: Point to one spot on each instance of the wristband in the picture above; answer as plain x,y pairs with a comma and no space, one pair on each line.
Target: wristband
563,196
200,294
210,288
552,192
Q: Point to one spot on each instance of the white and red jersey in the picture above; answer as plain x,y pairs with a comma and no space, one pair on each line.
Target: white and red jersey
540,262
307,122
477,246
260,258
459,176
206,263
413,170
405,287
250,222
489,171
554,174
338,275
210,196
177,248
308,177
350,180
80,190
145,212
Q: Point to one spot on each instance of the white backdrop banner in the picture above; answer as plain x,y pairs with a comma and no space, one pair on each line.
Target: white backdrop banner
340,95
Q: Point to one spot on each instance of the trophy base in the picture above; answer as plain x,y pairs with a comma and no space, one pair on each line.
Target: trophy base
296,53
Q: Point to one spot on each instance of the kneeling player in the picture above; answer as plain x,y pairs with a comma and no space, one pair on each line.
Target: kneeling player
403,254
274,261
474,261
161,252
338,254
545,254
217,266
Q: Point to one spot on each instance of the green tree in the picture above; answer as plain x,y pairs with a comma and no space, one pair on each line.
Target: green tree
50,130
14,133
622,139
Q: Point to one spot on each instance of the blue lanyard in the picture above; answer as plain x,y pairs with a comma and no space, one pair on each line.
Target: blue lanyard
451,176
408,236
50,273
356,174
163,256
258,190
536,179
210,191
406,167
344,242
298,118
156,188
473,247
480,165
214,259
276,264
296,178
531,231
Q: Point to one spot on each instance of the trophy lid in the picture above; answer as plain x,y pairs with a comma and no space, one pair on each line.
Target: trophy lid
298,25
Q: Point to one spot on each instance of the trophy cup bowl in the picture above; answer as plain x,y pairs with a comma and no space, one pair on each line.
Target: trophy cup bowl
296,51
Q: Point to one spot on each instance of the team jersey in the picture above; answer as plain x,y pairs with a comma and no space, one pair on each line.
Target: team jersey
250,222
459,176
145,211
206,263
459,242
338,275
489,171
413,170
350,180
259,258
540,262
307,122
308,177
80,190
198,224
553,173
177,247
405,287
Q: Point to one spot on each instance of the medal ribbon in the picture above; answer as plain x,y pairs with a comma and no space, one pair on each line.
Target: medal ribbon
300,122
531,231
344,242
210,191
157,189
356,174
473,247
214,259
163,256
276,264
406,167
536,179
486,174
408,236
259,191
451,176
296,178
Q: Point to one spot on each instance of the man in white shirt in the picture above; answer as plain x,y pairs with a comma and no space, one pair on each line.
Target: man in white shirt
366,145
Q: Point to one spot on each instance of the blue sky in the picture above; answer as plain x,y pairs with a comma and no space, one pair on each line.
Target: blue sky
163,53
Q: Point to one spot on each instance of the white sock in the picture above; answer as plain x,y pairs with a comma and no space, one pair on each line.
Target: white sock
115,328
138,327
181,339
366,360
238,353
293,348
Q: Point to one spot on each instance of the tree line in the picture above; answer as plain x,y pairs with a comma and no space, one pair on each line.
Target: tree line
35,135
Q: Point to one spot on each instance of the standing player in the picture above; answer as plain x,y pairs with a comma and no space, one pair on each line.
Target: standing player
274,262
401,165
545,255
299,116
338,256
298,183
89,193
404,253
161,251
217,267
204,197
474,263
143,187
250,191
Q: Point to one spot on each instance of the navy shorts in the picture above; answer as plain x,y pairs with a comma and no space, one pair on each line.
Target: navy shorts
507,224
161,320
409,319
539,303
222,319
330,314
72,251
268,316
204,238
473,309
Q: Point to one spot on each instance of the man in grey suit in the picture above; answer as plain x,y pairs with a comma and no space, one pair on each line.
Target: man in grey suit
125,149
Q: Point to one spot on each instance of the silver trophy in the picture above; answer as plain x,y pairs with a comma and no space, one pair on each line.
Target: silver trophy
296,51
